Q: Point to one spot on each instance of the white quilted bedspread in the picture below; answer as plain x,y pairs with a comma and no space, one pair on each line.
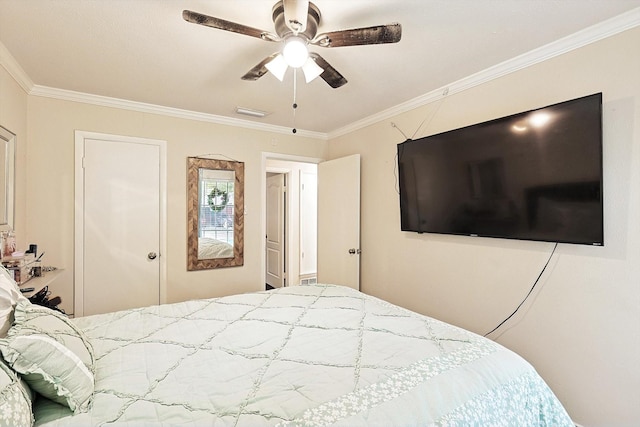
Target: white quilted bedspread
296,356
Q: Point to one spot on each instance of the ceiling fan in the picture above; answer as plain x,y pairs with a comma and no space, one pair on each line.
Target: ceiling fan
296,24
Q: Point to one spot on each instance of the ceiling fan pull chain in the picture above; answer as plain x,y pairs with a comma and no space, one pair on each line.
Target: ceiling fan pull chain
295,105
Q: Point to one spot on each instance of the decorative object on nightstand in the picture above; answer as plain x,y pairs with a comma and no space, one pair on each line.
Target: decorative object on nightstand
19,266
8,243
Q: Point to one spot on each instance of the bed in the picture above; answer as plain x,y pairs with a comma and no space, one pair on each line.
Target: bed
310,355
209,248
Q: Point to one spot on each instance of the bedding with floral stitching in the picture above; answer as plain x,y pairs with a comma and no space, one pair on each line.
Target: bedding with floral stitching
15,399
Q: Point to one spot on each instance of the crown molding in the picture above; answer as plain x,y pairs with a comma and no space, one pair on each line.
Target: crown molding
20,76
608,28
14,69
8,62
124,104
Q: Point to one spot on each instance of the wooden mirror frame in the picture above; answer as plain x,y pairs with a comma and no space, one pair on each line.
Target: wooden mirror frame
194,164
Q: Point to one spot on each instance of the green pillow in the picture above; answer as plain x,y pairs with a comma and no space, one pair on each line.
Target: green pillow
52,355
15,399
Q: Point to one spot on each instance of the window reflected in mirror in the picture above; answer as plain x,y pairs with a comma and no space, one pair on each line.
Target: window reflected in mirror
216,210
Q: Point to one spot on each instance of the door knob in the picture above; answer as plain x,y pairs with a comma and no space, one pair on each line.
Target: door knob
152,255
354,251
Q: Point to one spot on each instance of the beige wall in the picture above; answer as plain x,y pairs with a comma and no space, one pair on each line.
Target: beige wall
50,187
581,328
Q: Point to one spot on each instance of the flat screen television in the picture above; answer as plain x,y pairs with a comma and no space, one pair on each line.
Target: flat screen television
535,175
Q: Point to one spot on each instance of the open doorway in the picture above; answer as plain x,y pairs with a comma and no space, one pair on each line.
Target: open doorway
290,221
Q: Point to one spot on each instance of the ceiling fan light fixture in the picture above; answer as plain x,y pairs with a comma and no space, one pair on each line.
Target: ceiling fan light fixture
295,51
277,66
311,70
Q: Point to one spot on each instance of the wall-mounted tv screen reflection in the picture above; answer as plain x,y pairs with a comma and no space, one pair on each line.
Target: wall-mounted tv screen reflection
535,175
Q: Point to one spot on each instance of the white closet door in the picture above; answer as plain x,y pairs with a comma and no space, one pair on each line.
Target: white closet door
121,216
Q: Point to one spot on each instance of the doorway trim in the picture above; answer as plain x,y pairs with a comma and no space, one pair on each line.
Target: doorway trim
263,204
78,271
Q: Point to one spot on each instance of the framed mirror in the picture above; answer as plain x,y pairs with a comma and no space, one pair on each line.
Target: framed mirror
7,178
215,213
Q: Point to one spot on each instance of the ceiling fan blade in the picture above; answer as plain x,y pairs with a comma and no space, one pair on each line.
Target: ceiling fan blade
221,24
329,74
360,36
259,70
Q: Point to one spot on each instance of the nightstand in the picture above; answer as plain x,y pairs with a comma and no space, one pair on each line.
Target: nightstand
37,283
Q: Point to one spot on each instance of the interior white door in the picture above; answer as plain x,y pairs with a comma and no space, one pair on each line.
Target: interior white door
339,221
121,216
275,243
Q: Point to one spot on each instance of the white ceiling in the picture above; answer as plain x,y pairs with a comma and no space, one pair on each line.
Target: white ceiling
143,51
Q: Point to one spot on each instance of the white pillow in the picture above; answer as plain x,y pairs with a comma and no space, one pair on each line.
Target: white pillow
9,296
51,354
